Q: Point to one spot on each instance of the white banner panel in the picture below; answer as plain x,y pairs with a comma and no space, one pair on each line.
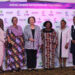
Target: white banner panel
42,12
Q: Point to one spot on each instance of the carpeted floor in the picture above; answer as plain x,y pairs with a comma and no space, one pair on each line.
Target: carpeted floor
58,71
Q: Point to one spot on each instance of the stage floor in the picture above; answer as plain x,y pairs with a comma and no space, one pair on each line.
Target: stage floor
58,71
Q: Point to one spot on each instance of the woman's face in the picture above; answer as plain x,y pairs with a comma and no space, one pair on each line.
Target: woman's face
48,25
31,21
15,21
63,24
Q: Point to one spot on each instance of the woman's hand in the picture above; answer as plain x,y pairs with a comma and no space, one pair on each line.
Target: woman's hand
31,39
41,47
73,41
55,46
66,46
9,39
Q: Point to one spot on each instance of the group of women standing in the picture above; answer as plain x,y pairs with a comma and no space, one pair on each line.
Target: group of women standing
48,40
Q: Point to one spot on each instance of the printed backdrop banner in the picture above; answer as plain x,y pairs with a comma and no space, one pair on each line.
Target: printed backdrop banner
42,12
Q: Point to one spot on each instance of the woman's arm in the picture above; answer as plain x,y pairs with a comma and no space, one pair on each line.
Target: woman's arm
68,37
55,40
2,37
26,34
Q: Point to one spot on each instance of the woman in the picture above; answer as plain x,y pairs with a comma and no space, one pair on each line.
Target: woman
63,37
2,40
49,39
32,35
15,50
72,48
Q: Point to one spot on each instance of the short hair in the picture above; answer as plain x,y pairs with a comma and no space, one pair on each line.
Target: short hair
47,22
1,24
63,21
30,18
13,19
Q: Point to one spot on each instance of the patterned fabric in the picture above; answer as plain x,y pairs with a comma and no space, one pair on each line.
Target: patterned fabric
37,37
49,45
15,57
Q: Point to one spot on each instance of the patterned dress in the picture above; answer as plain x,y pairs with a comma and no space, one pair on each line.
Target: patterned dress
49,39
15,55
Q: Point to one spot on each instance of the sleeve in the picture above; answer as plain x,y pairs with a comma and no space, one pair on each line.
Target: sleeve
8,35
39,36
26,34
7,39
55,39
68,36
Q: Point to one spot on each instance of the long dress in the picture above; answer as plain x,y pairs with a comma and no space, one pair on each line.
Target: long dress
49,39
15,55
1,46
63,53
